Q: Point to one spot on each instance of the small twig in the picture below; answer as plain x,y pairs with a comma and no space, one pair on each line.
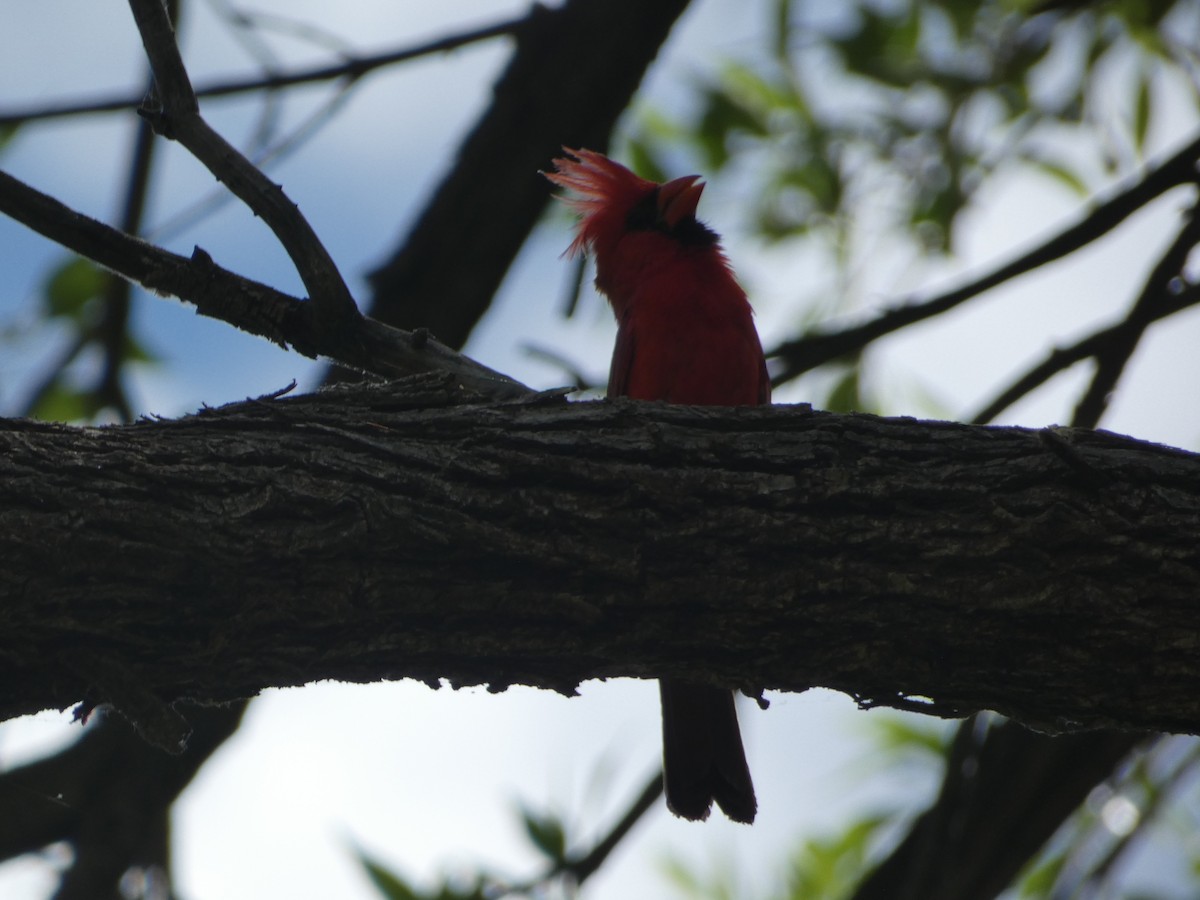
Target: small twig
583,867
578,380
177,116
351,68
580,868
813,350
1062,358
1114,355
48,382
248,305
113,330
264,156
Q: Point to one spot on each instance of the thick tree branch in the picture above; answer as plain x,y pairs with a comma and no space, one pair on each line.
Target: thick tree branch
175,114
408,530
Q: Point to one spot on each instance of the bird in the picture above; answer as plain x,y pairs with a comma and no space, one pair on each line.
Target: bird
685,334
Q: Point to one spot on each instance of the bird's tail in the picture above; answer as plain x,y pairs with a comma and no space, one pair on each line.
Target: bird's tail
703,758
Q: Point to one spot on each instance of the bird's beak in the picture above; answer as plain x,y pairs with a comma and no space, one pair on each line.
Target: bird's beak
678,199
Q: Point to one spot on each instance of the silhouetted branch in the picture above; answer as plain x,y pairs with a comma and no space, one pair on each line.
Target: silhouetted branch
107,794
572,73
248,305
813,350
351,69
578,868
1165,280
1062,358
175,113
1005,793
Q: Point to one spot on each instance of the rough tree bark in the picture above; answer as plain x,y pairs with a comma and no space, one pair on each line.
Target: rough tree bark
413,530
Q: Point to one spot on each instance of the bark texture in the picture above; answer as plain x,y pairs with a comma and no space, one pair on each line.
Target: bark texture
414,530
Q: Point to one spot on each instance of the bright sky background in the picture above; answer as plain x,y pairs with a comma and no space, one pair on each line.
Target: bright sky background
428,780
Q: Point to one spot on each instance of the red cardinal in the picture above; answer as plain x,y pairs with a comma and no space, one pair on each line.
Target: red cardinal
685,334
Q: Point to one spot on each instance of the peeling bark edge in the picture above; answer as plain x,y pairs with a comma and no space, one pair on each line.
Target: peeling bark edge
414,530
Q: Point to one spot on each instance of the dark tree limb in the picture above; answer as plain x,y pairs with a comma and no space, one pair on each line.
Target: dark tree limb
107,794
412,531
1006,792
175,113
573,73
805,353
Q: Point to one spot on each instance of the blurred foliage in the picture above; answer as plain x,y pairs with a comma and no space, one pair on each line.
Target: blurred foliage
73,295
394,887
898,111
1152,805
546,833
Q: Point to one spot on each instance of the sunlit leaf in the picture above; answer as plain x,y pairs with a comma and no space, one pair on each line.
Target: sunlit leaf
1040,882
830,866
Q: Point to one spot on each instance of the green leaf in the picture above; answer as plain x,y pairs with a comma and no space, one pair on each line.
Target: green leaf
1060,173
1141,112
385,880
817,177
65,404
723,115
546,833
1040,882
845,395
899,734
69,287
829,867
643,160
7,133
135,351
394,887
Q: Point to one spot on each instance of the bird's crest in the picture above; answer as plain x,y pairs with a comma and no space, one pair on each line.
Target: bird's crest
603,193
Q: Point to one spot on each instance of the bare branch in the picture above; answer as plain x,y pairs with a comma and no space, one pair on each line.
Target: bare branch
1062,358
178,118
253,307
1164,280
351,69
813,350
